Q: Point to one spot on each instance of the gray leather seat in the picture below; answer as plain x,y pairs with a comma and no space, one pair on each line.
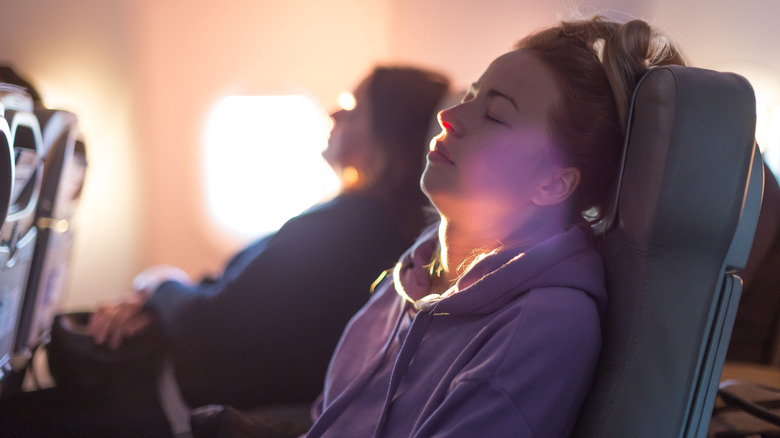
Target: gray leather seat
6,170
756,334
6,188
64,159
18,233
682,223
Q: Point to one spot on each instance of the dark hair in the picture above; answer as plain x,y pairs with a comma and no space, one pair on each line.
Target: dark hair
596,64
9,76
403,103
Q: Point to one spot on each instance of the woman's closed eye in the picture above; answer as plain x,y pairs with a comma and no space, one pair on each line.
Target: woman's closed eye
493,118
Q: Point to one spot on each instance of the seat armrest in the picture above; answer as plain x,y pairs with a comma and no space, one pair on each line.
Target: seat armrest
745,409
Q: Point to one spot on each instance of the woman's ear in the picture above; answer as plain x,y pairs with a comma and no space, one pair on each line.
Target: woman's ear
560,185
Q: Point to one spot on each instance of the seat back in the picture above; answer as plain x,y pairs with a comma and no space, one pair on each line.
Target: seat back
757,326
63,177
18,233
6,188
683,220
6,170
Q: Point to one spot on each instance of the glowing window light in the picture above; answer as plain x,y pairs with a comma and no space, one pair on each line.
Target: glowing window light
262,162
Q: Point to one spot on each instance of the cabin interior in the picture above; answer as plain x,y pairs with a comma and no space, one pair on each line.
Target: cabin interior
144,76
149,80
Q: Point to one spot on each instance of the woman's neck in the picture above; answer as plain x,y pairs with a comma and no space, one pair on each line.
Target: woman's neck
460,244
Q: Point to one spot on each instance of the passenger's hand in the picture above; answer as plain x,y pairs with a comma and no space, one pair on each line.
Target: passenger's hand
111,324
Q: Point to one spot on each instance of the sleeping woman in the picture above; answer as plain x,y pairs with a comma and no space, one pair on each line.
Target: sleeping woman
489,325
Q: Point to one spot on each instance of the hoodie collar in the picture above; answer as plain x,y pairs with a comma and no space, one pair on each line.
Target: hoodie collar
501,276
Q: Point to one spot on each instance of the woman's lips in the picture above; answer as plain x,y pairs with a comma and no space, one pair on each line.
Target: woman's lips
438,153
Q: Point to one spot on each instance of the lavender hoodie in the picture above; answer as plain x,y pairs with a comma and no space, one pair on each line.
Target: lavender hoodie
511,353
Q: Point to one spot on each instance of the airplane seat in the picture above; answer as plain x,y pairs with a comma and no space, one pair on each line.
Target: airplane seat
681,224
18,234
64,166
750,388
6,189
755,338
6,169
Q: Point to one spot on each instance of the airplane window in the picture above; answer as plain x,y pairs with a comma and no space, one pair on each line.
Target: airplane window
262,162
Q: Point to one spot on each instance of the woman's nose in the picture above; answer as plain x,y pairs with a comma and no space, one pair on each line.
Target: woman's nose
448,122
336,114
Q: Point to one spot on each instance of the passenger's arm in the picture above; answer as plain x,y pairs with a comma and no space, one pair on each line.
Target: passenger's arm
275,323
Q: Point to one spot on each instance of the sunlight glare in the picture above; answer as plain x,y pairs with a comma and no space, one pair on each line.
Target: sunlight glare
347,101
350,176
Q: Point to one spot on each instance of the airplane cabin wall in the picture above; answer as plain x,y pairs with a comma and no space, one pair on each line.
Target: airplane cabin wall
194,55
464,36
143,74
78,54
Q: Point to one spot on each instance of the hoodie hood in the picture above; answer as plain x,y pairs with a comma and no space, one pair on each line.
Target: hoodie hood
566,259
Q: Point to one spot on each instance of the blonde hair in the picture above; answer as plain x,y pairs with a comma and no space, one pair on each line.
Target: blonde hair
596,64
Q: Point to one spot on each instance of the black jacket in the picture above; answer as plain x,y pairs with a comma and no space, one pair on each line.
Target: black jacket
264,331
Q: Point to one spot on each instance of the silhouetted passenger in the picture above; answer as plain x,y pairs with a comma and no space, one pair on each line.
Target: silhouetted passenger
264,330
9,75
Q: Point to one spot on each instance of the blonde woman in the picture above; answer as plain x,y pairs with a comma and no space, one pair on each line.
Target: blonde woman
489,325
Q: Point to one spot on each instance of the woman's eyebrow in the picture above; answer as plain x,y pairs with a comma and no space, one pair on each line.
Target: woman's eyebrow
495,93
492,93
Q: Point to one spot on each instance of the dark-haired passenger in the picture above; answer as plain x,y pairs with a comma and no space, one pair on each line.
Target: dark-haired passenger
263,331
